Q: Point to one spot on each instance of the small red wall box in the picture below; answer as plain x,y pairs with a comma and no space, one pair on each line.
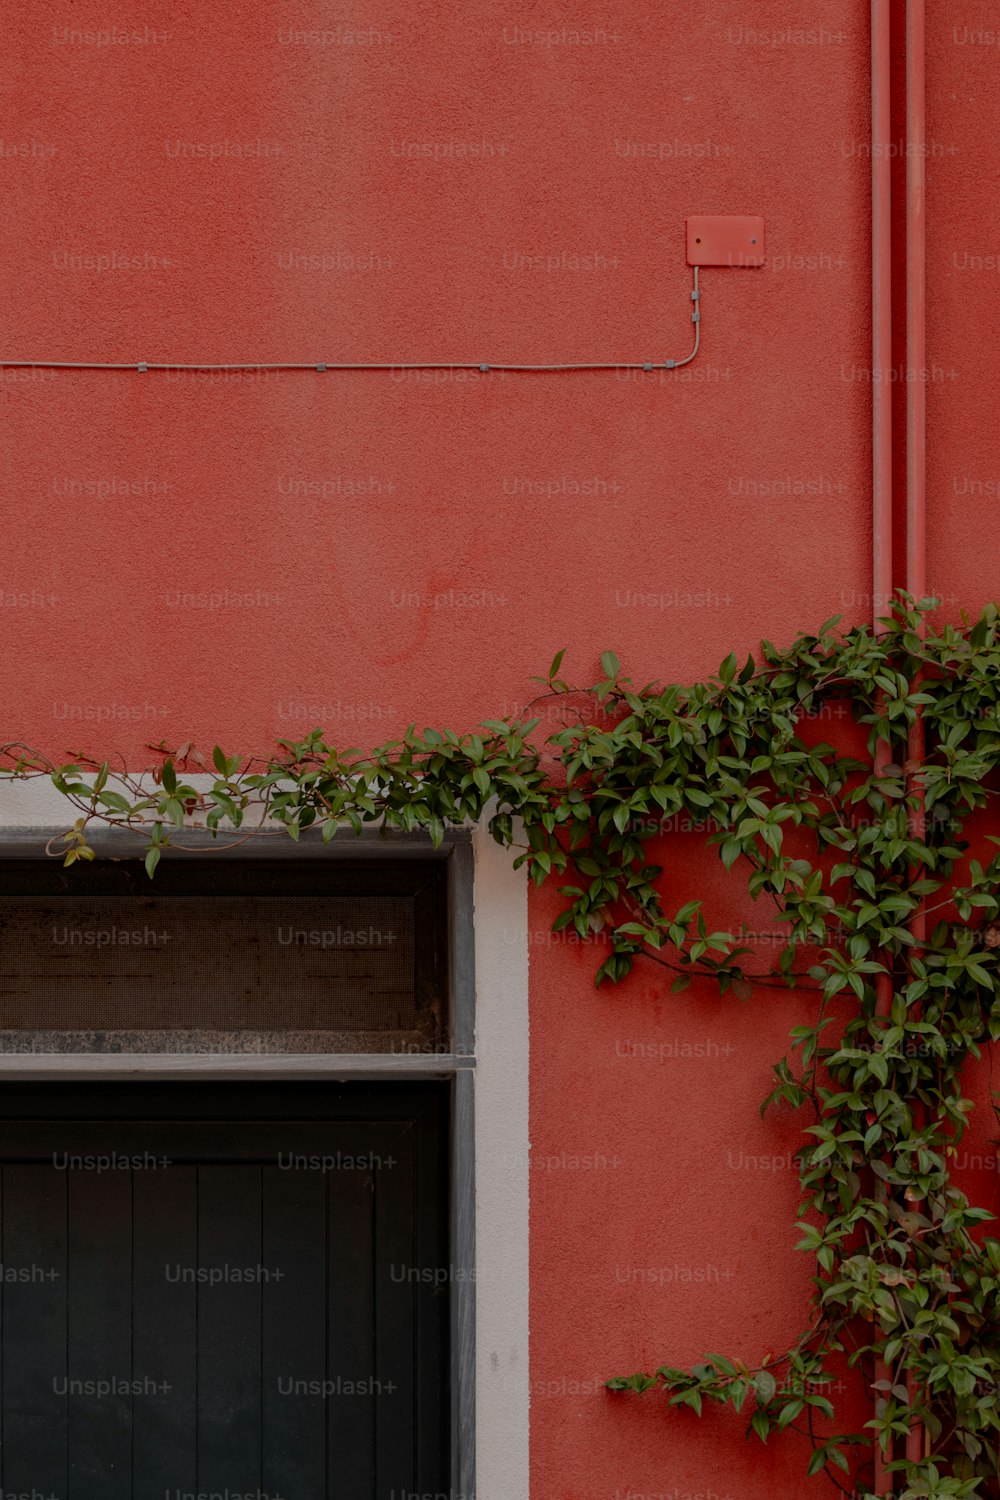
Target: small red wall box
725,240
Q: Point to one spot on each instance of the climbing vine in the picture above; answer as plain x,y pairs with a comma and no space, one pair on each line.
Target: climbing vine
893,932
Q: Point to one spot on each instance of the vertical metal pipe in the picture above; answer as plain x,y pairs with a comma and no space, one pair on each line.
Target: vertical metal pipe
916,449
881,431
881,313
916,303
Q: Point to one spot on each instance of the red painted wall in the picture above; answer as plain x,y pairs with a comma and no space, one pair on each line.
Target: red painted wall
238,559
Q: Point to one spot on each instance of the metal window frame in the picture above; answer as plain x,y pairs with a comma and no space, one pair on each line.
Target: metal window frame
457,1066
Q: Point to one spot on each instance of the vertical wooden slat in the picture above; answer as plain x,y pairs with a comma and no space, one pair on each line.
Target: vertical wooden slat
99,1334
34,1329
294,1332
229,1328
350,1361
164,1336
398,1273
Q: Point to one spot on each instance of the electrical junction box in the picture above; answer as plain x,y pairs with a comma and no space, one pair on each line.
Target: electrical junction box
725,240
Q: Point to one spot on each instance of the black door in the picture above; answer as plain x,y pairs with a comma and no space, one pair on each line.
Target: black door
233,1289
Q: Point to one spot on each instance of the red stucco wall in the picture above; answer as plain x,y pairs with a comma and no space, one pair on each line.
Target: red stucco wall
239,559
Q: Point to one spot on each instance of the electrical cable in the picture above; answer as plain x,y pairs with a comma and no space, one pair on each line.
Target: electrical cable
143,366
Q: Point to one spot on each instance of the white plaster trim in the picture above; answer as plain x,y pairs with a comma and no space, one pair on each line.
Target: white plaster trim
501,1083
34,804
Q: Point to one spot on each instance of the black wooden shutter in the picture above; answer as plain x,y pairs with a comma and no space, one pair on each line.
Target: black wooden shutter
222,1288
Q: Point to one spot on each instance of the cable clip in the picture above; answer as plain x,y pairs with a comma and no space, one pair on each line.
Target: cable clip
142,368
485,369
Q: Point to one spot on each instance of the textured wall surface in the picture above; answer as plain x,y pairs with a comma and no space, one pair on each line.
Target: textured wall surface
381,549
240,559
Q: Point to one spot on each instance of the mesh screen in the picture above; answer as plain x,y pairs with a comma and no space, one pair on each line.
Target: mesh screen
204,972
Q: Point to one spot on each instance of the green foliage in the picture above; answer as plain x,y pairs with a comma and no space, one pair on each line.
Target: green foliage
891,941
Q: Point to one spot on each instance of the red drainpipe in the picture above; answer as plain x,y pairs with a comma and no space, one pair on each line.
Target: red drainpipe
916,452
881,314
916,300
881,433
916,412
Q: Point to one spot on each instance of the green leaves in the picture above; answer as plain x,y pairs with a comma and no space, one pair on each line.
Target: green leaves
872,915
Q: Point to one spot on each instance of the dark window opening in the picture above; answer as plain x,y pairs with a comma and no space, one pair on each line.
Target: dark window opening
217,955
